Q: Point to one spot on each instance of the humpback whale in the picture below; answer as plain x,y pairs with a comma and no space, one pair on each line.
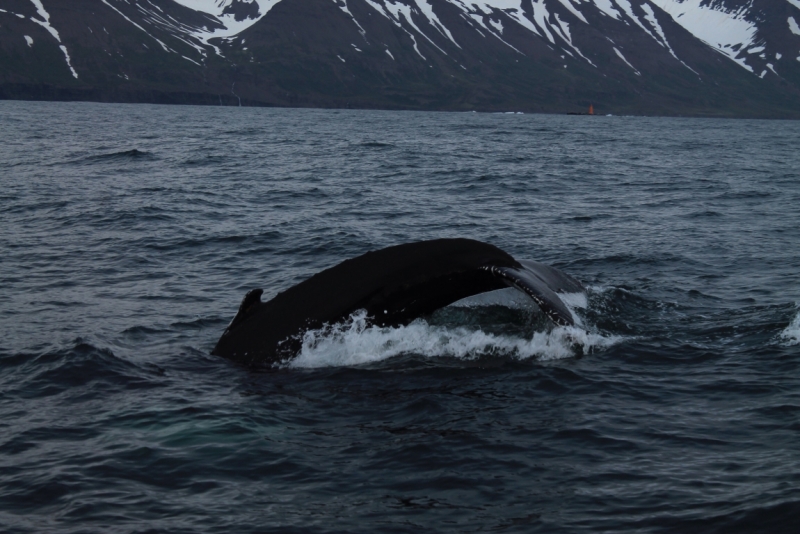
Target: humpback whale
395,285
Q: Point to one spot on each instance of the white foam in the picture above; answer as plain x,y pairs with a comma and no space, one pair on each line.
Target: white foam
29,40
791,334
356,343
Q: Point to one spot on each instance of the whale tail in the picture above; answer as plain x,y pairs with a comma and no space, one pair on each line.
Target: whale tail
394,285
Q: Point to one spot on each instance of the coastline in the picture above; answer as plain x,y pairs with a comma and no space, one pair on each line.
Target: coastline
57,93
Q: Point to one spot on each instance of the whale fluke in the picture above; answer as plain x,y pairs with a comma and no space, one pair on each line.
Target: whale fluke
394,285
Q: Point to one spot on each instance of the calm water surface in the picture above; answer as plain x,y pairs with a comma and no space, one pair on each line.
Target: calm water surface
129,234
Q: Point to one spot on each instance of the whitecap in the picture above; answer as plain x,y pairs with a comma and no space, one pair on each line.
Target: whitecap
357,342
791,334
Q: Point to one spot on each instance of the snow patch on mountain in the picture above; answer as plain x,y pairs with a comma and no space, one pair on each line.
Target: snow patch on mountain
427,10
795,29
572,9
401,9
418,18
729,32
45,23
626,61
222,10
725,29
343,6
165,47
628,9
510,8
650,17
155,16
605,6
565,34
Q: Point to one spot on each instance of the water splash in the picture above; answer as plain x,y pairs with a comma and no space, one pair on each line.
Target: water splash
791,334
357,342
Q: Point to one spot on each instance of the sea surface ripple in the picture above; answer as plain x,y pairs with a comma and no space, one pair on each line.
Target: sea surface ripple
130,233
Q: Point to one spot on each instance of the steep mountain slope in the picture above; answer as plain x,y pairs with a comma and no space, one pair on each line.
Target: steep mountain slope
720,57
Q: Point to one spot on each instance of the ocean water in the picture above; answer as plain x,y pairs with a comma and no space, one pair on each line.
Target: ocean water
130,233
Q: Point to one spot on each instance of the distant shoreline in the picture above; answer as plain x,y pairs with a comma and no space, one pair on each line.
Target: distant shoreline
47,93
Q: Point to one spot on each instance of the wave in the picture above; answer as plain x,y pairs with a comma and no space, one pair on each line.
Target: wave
206,160
375,144
356,342
791,334
133,154
80,367
703,213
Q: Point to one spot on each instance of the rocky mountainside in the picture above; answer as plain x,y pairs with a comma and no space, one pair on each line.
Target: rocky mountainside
668,57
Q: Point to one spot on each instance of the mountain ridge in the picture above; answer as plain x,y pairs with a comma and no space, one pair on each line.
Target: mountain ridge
659,57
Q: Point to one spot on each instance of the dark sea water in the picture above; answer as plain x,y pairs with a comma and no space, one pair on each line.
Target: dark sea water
129,234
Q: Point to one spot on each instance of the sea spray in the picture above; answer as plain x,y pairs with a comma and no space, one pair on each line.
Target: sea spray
357,342
791,334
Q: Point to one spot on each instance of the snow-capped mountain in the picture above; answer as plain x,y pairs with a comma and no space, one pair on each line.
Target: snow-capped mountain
234,16
719,57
